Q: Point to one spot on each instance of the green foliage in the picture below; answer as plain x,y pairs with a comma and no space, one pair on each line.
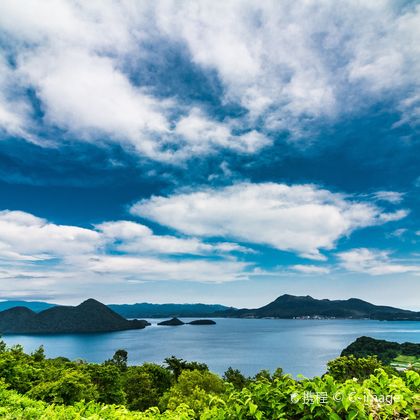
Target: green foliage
39,354
108,382
349,367
235,377
386,351
144,385
34,387
70,387
119,359
176,365
194,388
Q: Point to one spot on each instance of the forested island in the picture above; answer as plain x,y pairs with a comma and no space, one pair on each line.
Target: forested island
306,307
35,387
88,317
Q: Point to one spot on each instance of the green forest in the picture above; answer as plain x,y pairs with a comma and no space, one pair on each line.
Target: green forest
35,387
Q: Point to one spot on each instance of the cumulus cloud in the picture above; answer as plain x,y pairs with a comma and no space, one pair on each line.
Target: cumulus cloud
310,269
37,253
131,237
76,65
13,109
288,60
374,262
301,218
149,269
201,133
27,237
287,64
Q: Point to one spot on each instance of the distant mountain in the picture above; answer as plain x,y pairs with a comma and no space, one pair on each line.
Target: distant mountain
289,306
33,305
167,310
88,317
135,310
285,306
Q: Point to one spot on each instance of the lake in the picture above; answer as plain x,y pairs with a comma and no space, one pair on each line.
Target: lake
298,346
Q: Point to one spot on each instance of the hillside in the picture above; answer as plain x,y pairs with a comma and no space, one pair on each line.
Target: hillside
167,310
386,351
89,316
33,305
288,306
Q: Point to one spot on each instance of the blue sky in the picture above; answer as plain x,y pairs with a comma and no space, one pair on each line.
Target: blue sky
209,152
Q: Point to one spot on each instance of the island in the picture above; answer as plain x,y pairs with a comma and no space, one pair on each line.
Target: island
306,307
202,322
174,322
89,317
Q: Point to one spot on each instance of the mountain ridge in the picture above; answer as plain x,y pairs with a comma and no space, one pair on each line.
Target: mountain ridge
289,306
285,306
88,317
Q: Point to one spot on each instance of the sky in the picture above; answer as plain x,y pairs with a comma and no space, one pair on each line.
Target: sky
216,152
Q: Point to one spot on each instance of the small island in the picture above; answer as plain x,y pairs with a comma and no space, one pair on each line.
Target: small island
202,322
174,322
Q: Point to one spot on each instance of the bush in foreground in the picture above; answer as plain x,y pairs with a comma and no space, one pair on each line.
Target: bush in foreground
33,387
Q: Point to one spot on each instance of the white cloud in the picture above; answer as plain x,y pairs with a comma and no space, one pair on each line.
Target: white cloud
75,64
13,110
288,60
398,233
26,237
393,197
93,99
201,133
37,253
149,268
394,216
289,64
131,237
302,218
373,262
310,269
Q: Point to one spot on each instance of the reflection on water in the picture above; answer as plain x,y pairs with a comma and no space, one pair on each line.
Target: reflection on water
298,346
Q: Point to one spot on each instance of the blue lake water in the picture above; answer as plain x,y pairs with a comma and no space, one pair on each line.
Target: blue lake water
298,346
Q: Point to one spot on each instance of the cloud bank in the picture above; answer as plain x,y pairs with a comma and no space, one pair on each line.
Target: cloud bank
288,66
304,219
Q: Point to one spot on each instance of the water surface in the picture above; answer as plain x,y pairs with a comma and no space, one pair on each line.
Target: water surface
298,346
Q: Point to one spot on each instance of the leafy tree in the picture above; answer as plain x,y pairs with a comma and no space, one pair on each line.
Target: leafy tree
236,378
194,388
71,387
39,354
349,367
176,366
144,385
3,346
119,359
108,381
